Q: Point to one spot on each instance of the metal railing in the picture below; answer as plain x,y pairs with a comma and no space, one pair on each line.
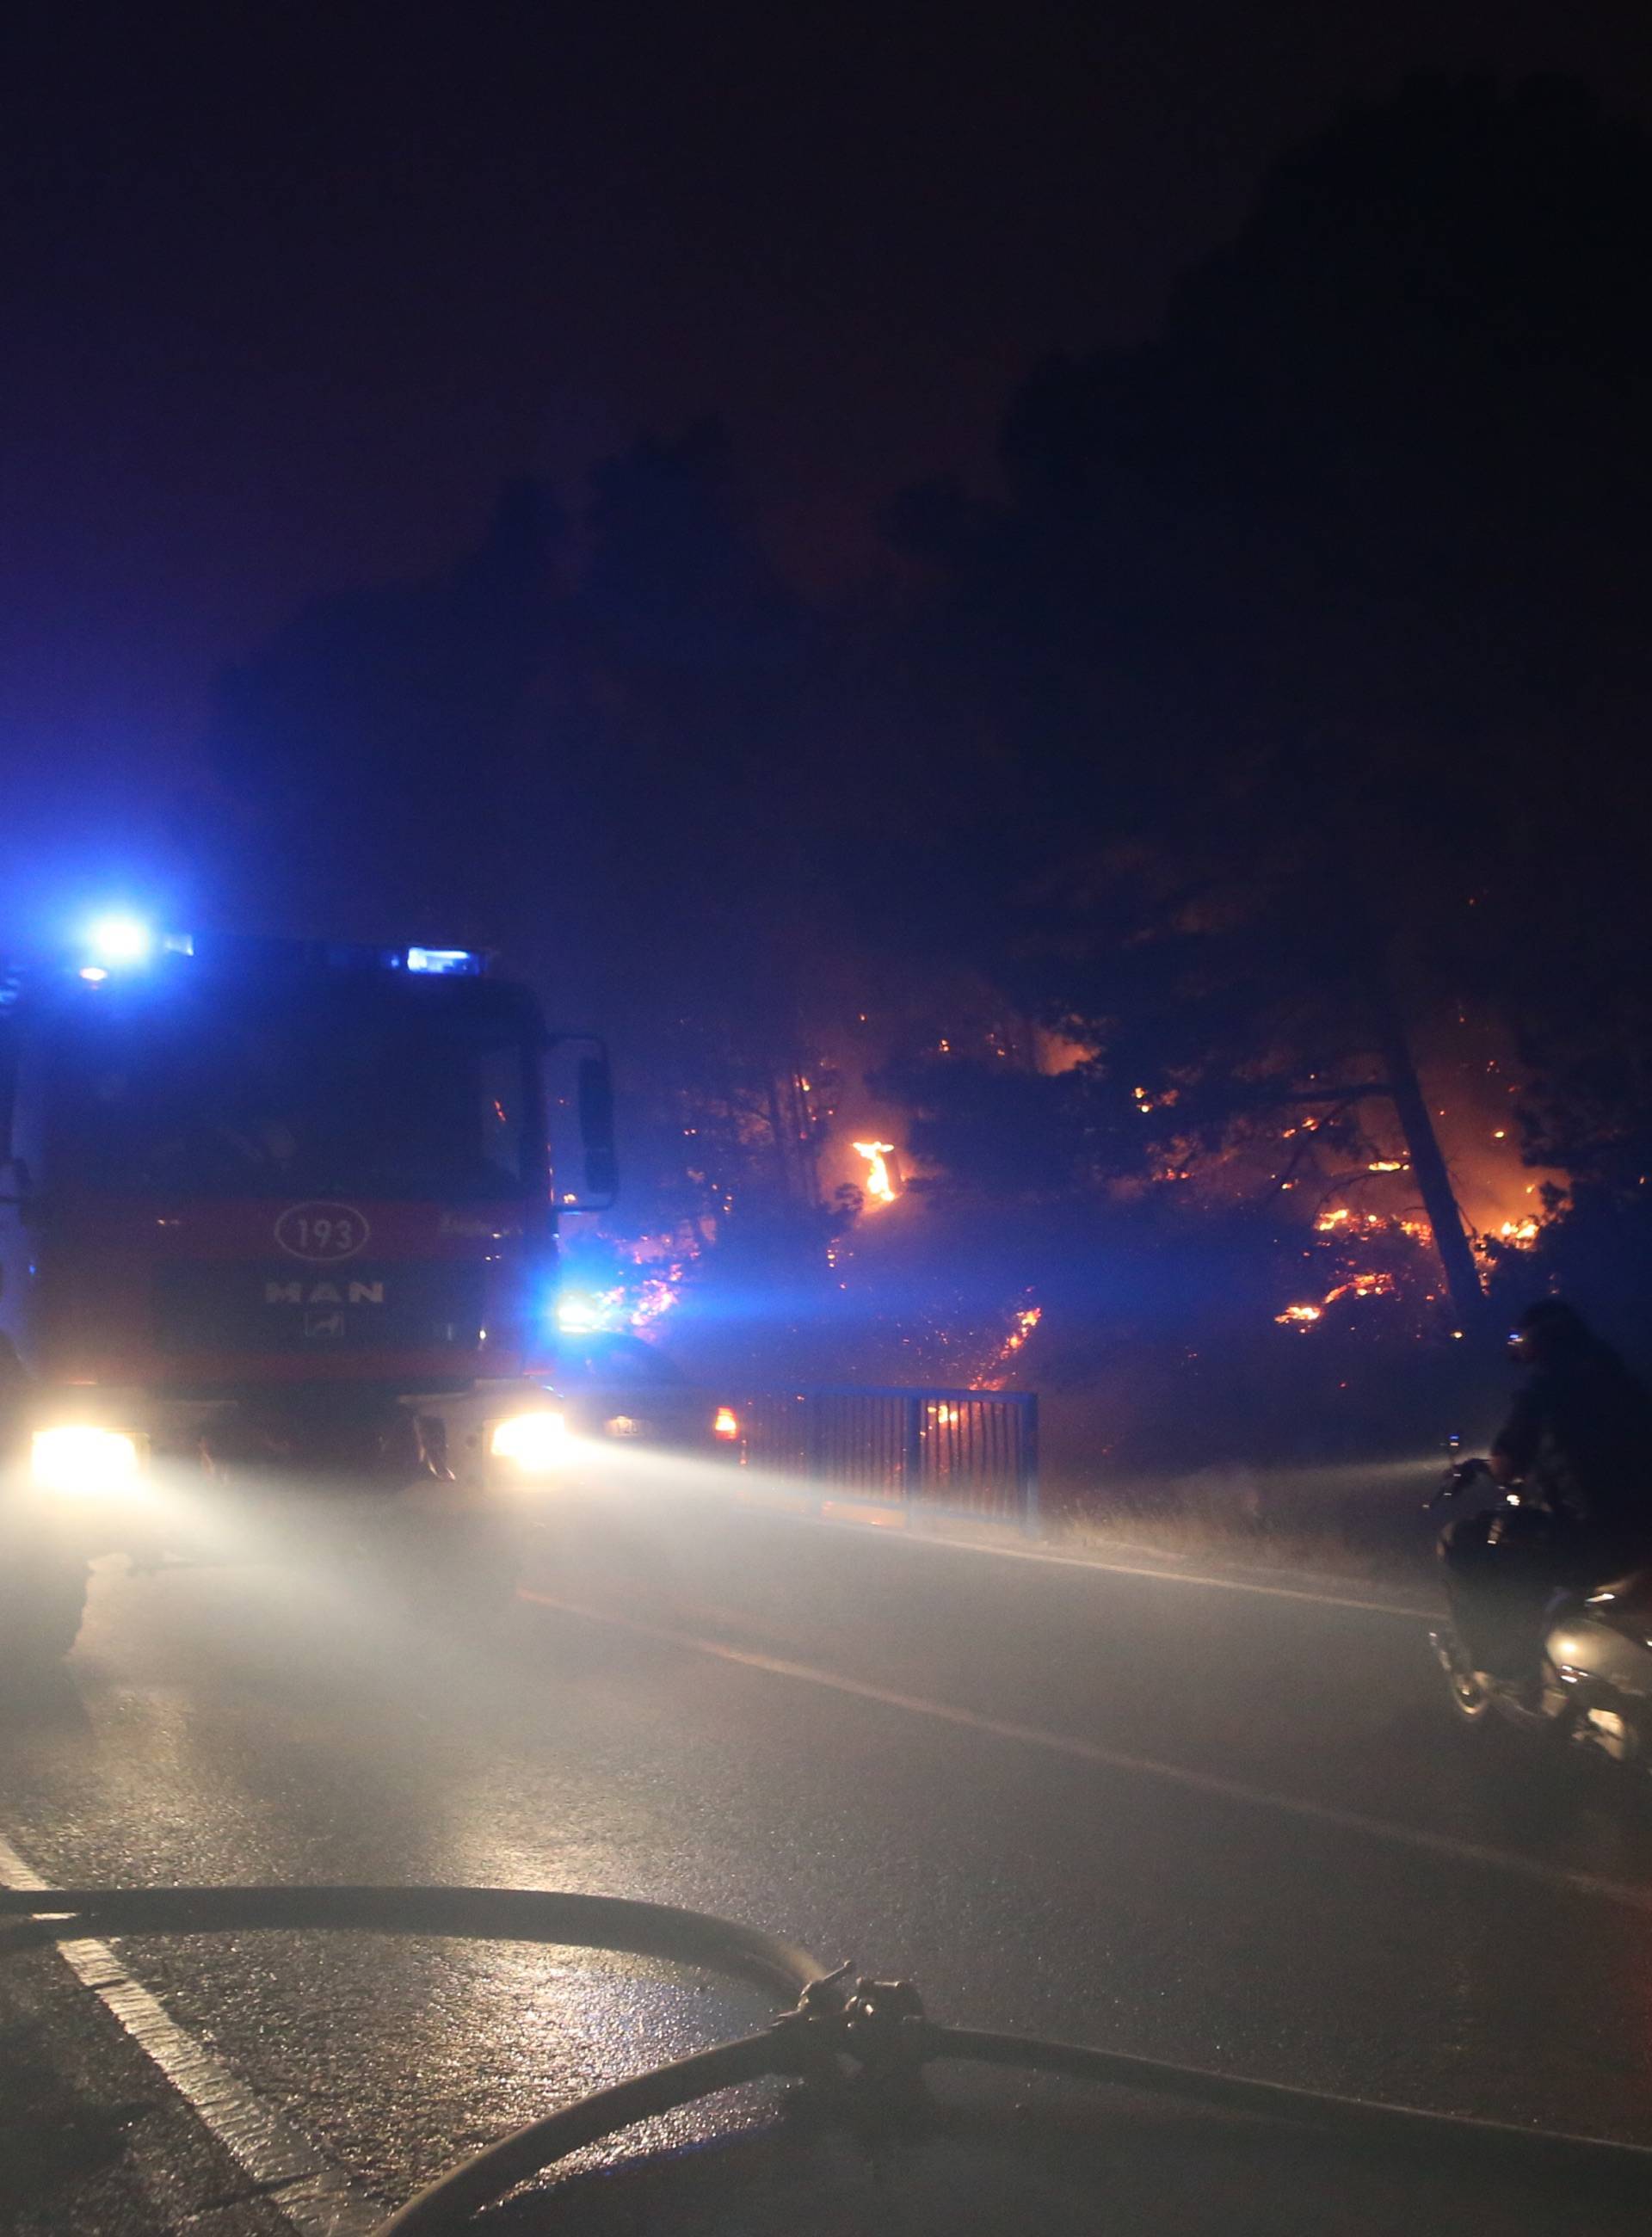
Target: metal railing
968,1453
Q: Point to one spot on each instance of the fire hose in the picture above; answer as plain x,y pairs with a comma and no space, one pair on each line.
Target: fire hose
841,2032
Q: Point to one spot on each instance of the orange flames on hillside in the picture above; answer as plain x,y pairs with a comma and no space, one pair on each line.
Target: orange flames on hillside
1023,1321
1521,1233
1470,1079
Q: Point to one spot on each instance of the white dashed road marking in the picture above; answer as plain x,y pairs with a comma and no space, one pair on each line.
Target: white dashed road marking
1170,1774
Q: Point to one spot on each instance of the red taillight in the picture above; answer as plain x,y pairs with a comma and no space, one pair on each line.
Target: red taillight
727,1424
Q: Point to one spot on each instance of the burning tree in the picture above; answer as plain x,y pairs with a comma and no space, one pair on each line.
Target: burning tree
1230,1060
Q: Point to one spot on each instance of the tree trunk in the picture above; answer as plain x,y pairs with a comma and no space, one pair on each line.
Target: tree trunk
1439,1199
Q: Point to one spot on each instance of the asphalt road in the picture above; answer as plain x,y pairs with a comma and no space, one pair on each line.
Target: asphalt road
1223,1824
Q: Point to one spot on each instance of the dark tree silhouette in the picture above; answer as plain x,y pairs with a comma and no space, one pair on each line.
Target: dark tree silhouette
1315,630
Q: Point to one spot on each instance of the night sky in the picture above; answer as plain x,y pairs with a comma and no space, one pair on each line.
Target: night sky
288,293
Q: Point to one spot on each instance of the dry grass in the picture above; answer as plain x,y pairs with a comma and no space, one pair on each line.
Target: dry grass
1345,1521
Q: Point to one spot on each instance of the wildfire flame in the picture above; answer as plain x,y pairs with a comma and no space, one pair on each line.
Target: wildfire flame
1506,1204
1520,1233
880,1185
1024,1320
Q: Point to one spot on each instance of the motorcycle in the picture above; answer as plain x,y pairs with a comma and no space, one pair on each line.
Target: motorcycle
1593,1683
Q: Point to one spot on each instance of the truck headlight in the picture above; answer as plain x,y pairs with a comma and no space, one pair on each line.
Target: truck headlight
79,1460
536,1444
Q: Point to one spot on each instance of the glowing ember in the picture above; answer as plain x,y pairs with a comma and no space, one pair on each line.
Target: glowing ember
1364,1285
1302,1316
1342,1220
662,1261
1023,1321
880,1185
657,1294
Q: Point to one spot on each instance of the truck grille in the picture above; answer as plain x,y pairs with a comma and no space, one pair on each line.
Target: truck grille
204,1306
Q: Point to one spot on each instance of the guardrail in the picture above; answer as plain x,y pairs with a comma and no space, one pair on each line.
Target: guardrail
973,1453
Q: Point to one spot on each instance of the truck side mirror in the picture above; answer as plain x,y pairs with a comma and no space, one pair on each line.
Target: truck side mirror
580,1094
597,1127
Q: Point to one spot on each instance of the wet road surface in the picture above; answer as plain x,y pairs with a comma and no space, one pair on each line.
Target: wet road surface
1235,1827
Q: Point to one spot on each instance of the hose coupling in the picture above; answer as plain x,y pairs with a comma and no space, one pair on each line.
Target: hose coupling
877,2026
883,2028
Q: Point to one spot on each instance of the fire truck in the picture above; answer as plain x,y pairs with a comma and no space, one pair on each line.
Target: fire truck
279,1215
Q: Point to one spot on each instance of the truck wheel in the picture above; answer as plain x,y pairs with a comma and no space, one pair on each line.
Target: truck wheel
42,1600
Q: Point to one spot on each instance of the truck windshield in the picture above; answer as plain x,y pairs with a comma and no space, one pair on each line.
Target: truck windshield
353,1089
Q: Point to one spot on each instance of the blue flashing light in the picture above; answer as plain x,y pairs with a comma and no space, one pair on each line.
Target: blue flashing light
445,962
120,940
584,1316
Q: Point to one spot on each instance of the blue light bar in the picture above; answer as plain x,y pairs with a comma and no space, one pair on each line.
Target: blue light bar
445,962
579,1314
120,940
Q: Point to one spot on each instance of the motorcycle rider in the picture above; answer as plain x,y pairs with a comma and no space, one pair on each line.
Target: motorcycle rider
1578,1441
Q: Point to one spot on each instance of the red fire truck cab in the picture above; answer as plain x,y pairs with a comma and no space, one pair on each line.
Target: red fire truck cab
271,1213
